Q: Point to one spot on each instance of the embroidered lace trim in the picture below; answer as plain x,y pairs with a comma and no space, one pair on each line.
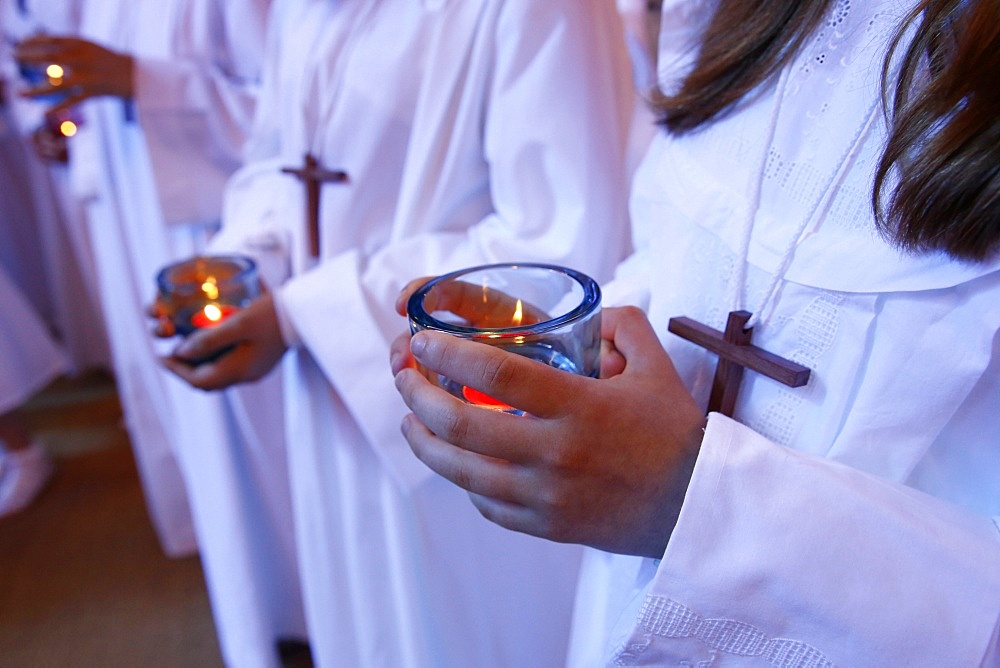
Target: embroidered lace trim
669,619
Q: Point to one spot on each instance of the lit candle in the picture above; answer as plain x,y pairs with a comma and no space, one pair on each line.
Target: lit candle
55,74
477,398
546,313
202,292
212,315
67,128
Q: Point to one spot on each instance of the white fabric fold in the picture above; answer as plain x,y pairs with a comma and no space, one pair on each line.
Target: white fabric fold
764,527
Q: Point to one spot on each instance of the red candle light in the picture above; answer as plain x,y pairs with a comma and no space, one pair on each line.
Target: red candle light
203,291
212,314
477,398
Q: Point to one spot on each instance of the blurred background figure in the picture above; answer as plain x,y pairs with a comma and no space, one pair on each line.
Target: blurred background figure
30,357
47,254
29,360
165,93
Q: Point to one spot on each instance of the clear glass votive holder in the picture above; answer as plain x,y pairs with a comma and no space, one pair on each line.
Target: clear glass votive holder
548,313
203,291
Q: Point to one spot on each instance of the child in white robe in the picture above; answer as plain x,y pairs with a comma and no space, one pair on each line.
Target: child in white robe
470,131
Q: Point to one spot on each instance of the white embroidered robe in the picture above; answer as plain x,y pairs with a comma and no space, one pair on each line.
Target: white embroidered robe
847,522
472,131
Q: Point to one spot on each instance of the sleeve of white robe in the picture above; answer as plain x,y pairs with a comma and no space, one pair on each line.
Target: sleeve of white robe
785,557
196,109
556,129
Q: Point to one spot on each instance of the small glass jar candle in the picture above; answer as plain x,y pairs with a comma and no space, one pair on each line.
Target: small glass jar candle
203,291
548,313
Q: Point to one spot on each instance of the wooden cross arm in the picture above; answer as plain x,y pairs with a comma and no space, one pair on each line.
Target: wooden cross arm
316,174
744,354
312,173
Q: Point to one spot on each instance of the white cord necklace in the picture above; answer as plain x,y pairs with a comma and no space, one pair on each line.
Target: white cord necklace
733,346
819,207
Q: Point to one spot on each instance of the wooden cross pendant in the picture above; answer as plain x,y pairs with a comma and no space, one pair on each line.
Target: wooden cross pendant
735,354
313,176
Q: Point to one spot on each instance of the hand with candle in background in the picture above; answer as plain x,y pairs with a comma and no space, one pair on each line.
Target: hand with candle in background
603,462
241,348
75,69
226,316
66,71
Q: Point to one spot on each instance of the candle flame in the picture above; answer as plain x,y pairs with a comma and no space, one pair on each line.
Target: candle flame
210,288
518,314
212,312
55,73
67,128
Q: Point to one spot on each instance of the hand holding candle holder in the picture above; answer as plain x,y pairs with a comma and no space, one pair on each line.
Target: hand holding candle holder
63,71
544,312
47,85
203,291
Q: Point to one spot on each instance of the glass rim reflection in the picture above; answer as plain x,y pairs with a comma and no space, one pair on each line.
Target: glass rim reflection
589,301
245,267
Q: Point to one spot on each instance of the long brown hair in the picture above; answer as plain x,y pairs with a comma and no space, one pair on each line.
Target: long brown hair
944,139
945,136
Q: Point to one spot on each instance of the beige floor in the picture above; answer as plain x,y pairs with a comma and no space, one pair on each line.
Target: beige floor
83,581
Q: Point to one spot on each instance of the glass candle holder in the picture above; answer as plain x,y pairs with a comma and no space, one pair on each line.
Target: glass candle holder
203,291
548,313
